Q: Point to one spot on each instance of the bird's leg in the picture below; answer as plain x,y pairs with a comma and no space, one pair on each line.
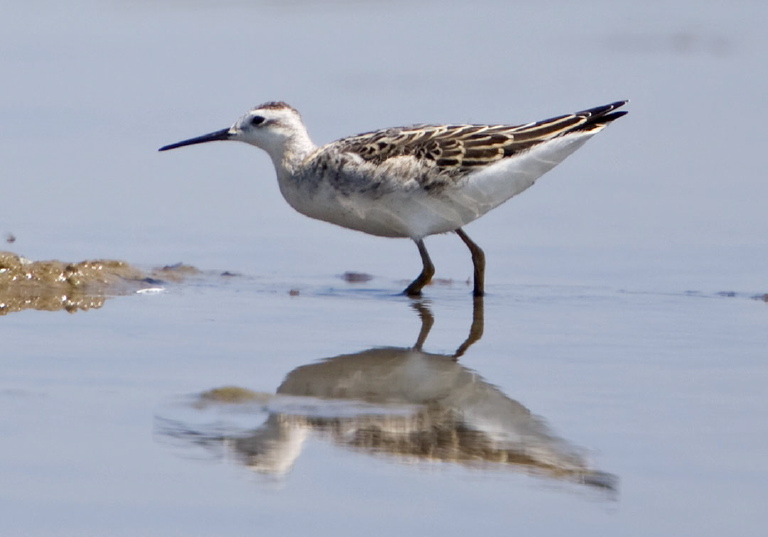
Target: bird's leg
476,330
478,260
427,320
426,273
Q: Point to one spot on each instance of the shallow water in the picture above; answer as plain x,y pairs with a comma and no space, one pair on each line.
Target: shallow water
620,311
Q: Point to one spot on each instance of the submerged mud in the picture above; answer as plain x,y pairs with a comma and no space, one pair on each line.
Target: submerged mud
58,285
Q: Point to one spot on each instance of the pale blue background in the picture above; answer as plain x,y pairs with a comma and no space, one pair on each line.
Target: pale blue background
603,313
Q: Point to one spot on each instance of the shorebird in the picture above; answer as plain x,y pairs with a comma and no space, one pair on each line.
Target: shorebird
411,182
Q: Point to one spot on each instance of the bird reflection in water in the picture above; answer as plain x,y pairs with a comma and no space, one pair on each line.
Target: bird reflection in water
403,403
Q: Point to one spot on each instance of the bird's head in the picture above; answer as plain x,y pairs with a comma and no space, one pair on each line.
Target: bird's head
270,126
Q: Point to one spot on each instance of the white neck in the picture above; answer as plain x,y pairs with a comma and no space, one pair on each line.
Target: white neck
289,149
293,152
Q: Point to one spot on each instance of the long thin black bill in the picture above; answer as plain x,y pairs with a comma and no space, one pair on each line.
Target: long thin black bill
211,137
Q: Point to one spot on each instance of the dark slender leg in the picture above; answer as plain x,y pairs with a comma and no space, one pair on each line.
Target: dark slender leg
478,260
476,330
427,320
426,273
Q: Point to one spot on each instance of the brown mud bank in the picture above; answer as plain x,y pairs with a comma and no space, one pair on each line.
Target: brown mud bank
57,285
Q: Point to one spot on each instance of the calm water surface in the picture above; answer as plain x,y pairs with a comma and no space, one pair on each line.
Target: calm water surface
613,382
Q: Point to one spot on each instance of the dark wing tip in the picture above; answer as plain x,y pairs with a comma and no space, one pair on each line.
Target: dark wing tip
602,110
601,115
607,118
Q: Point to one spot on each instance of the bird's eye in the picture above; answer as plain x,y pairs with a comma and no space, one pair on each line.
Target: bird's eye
257,120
